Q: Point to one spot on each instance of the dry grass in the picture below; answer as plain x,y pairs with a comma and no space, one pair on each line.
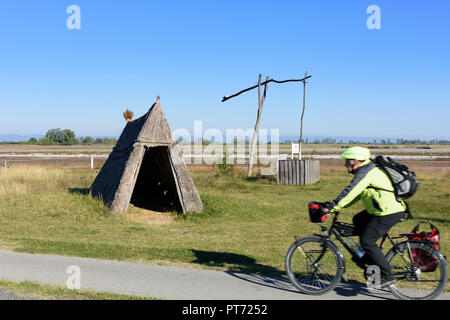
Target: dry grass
149,217
21,181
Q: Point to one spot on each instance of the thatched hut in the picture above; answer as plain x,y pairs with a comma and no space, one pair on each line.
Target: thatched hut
146,169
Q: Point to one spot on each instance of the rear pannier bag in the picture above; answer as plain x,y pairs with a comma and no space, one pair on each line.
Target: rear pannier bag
423,259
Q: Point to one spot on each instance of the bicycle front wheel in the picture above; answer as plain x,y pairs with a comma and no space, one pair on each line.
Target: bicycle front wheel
420,269
314,265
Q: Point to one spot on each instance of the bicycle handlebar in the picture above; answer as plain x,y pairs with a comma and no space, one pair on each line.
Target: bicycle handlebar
326,205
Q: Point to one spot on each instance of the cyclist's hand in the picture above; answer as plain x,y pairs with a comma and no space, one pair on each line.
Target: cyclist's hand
327,208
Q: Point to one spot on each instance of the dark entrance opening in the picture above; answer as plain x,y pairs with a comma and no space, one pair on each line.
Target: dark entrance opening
155,187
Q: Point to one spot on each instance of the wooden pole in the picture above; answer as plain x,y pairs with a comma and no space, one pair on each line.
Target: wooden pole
301,118
258,120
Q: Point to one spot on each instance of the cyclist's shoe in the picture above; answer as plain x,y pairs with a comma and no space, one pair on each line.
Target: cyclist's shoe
360,263
387,280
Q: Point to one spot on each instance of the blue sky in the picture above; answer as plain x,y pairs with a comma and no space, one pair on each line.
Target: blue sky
393,82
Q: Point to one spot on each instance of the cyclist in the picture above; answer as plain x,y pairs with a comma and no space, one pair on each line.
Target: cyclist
382,210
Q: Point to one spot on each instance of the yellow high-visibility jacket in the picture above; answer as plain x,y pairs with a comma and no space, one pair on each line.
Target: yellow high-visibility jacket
366,186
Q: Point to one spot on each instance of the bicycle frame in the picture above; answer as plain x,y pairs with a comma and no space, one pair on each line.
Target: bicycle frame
331,231
410,271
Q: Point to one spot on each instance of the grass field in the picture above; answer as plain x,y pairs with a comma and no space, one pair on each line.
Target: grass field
33,290
247,225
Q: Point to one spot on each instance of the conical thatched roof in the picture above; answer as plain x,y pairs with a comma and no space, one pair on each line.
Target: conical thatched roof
145,152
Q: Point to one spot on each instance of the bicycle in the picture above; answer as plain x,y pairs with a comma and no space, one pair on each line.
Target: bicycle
315,264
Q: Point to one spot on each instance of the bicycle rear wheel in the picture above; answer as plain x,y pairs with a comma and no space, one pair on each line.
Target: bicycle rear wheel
314,265
420,269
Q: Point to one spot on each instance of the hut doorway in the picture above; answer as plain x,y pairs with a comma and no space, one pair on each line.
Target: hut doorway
155,187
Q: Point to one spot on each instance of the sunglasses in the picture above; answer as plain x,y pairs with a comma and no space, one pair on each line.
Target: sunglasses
348,163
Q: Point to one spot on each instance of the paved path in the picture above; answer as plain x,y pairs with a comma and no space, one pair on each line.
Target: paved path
165,282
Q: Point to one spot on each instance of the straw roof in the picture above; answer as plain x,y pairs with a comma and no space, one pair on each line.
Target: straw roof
116,180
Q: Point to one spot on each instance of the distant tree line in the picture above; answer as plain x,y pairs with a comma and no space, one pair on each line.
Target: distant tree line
381,142
377,142
67,138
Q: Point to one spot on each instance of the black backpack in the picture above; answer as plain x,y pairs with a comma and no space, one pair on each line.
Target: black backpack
404,181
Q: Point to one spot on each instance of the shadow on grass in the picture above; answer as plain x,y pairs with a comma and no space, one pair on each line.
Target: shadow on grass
84,191
259,178
436,220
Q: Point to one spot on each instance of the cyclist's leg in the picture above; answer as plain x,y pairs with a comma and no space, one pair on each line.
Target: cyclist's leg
360,220
374,230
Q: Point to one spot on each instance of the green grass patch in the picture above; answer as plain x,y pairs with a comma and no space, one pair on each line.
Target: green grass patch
247,224
34,290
